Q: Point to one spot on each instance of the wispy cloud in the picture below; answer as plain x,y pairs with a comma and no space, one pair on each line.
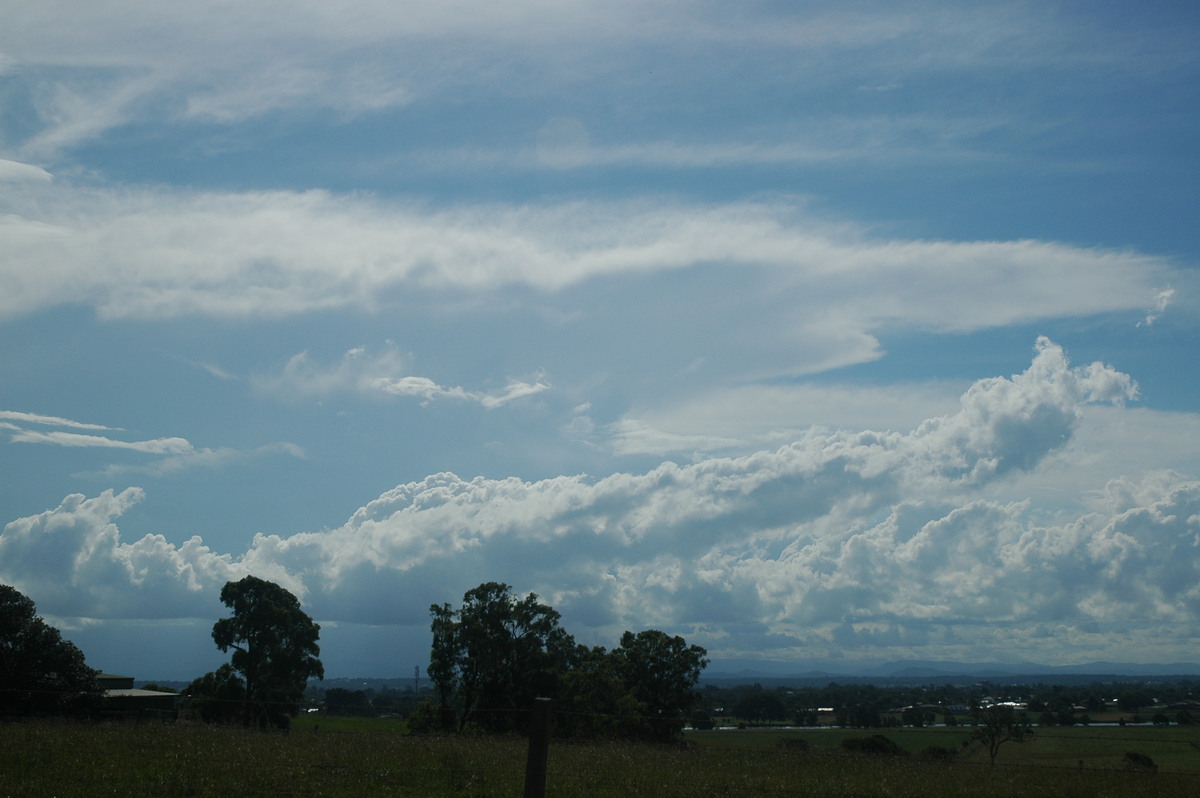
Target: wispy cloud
362,371
103,69
202,458
155,446
1160,305
159,255
14,171
20,434
52,421
174,454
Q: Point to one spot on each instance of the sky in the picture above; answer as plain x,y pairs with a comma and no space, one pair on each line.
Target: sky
815,332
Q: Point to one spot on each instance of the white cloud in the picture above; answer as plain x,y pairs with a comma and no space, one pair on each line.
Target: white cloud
513,391
202,458
53,421
361,371
1160,305
16,172
428,390
740,417
98,67
71,559
783,294
175,454
814,546
155,446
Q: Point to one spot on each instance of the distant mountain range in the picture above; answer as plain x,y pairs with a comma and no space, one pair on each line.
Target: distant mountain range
940,671
820,673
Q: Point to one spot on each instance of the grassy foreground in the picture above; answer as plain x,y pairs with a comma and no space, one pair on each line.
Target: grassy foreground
372,758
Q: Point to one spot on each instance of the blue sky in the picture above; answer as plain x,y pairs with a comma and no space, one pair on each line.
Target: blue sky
814,332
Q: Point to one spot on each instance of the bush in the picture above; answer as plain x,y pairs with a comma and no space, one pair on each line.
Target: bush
876,745
1139,762
938,753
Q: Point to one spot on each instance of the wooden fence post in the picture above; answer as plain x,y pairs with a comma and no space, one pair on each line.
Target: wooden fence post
539,749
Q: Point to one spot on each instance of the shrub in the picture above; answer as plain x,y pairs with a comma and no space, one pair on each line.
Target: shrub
1139,762
938,753
876,744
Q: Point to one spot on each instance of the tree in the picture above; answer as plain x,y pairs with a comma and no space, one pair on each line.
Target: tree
661,672
594,701
274,646
1001,724
340,701
40,672
759,706
218,696
491,657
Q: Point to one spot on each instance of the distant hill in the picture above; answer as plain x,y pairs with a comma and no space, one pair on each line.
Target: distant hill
939,671
821,673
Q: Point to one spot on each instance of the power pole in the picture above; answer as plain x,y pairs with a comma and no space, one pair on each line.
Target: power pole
416,679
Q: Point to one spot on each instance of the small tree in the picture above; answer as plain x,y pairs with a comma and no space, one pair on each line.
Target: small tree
274,646
40,672
998,725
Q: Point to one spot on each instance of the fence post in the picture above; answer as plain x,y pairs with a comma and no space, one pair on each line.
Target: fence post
539,749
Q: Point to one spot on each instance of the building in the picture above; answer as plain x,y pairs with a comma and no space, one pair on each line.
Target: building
122,699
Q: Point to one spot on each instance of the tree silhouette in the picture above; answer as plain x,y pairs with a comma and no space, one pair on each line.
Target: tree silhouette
1001,724
491,657
274,646
660,671
40,672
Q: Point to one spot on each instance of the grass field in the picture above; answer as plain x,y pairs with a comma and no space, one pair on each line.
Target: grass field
368,757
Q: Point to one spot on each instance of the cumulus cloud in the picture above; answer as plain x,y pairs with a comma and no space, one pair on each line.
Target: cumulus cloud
71,558
860,540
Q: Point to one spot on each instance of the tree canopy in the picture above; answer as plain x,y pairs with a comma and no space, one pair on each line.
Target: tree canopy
492,656
40,672
275,649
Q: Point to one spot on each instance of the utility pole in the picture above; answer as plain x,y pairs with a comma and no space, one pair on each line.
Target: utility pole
416,679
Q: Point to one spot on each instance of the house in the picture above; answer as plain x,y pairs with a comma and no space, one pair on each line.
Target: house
122,699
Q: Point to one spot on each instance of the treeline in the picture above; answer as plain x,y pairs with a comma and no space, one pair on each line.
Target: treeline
873,706
489,660
497,652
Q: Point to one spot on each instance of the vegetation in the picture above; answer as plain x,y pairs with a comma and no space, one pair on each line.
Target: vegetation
40,672
498,651
373,757
999,724
275,653
491,657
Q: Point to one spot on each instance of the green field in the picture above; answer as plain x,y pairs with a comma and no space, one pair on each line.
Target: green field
367,757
